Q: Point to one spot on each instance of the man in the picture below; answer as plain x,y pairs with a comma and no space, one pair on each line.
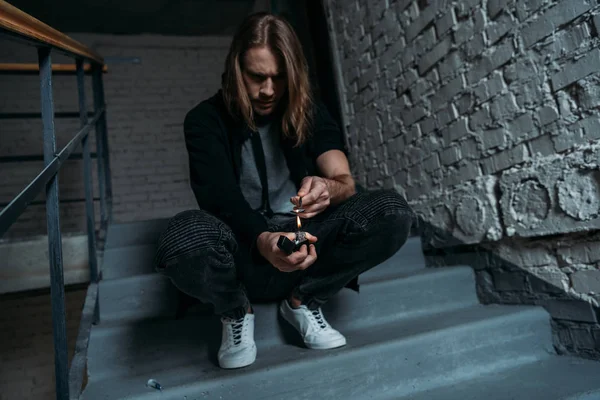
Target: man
257,148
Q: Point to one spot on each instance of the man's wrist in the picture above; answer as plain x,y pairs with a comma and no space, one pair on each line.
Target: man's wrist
340,188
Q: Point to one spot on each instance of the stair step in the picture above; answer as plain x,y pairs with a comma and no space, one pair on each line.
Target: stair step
555,378
129,260
395,357
136,298
406,260
426,290
121,262
378,303
135,233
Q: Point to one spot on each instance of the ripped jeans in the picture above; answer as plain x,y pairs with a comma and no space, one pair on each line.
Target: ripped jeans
204,259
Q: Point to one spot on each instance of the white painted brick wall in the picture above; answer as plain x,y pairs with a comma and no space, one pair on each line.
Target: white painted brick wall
481,96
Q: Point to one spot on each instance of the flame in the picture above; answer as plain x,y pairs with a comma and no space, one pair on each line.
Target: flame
298,222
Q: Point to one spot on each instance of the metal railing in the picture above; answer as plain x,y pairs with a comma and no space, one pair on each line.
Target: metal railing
23,28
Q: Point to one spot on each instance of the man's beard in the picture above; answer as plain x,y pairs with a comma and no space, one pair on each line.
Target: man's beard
274,112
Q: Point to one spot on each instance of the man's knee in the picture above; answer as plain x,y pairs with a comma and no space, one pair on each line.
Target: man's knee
371,208
191,232
387,202
390,219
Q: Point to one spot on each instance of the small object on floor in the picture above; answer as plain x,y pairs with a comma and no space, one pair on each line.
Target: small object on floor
154,384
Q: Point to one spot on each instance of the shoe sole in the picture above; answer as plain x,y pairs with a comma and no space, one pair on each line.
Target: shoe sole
239,362
333,344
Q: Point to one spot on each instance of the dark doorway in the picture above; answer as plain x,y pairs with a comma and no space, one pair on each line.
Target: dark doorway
323,58
309,20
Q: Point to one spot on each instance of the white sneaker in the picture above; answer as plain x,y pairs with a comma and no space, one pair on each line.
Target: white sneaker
237,343
313,327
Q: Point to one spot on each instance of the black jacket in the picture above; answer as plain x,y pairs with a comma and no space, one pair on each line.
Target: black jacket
214,142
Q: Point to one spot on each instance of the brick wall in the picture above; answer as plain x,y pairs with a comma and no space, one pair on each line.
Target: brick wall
484,113
146,105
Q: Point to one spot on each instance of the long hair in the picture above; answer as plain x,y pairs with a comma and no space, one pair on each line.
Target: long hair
264,29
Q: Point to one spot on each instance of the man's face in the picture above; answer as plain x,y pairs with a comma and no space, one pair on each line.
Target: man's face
264,79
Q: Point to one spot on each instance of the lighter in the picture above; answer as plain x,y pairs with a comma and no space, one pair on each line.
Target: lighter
289,246
286,244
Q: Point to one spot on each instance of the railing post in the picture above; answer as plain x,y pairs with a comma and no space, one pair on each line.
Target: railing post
107,173
57,286
88,183
102,147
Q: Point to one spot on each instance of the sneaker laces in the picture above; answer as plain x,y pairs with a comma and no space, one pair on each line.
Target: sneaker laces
318,317
237,326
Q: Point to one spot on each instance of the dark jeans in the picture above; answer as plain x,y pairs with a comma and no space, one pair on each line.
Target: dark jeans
204,259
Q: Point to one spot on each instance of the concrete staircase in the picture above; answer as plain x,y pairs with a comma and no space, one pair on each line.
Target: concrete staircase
413,333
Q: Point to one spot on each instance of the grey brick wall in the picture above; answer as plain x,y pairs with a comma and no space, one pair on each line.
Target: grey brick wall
485,115
146,105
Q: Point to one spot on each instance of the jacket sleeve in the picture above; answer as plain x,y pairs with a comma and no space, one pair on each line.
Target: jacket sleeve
213,180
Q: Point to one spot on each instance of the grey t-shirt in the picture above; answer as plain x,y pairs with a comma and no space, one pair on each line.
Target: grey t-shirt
281,187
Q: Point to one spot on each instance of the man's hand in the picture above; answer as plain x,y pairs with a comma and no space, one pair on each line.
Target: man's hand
298,260
315,196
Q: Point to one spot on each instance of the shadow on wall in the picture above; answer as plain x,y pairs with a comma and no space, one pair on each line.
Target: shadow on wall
574,319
